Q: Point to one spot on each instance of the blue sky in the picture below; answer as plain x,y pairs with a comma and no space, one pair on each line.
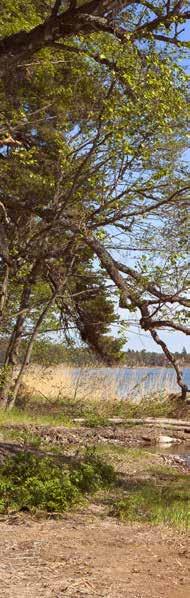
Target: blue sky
138,339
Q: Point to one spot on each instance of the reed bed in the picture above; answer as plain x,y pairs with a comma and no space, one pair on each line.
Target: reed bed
93,383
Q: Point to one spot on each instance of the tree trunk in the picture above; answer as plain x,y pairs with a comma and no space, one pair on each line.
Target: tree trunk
3,294
172,360
28,353
15,340
11,357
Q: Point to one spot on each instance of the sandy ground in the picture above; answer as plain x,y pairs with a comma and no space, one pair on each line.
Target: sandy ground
84,555
88,554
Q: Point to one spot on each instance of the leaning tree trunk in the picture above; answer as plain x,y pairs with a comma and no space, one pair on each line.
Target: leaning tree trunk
4,374
11,357
172,360
26,360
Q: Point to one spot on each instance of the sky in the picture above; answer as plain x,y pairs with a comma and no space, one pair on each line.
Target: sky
138,339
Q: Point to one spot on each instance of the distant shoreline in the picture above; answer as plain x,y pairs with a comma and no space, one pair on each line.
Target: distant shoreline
122,367
150,367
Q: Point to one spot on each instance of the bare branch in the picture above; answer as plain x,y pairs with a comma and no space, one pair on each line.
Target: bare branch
152,288
127,294
166,324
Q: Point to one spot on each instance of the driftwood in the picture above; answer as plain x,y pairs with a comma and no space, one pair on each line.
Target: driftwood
173,424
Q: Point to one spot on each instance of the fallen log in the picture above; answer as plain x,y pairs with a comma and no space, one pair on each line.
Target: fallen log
148,421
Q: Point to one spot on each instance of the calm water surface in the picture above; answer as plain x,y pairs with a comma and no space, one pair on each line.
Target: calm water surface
137,379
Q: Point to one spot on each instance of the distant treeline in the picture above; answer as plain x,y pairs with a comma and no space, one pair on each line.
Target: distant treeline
46,352
152,359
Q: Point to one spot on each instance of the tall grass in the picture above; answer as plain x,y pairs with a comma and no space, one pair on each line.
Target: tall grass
98,383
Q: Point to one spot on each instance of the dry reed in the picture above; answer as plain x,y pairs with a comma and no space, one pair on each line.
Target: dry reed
97,384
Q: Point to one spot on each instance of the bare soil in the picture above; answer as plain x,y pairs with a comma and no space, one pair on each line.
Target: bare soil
84,555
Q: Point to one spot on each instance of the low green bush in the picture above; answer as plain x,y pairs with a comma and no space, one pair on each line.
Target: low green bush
30,483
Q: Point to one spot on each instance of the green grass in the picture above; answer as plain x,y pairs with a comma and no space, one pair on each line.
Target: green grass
19,416
102,410
119,454
35,409
147,492
25,437
162,499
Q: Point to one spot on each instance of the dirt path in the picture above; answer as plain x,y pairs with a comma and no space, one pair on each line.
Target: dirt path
84,555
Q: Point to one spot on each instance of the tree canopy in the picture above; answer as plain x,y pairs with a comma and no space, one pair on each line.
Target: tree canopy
94,187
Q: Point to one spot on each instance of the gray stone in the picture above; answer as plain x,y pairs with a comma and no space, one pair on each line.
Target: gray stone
167,439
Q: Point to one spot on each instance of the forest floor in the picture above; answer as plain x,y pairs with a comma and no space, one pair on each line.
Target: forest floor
130,540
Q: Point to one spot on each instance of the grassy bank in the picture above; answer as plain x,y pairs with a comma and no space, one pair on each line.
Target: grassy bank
62,463
148,491
33,408
129,484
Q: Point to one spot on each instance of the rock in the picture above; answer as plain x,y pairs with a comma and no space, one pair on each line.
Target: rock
167,440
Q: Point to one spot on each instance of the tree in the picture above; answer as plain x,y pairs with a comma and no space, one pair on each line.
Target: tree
85,157
184,352
44,25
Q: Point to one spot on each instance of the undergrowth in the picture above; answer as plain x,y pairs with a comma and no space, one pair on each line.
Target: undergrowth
93,412
162,500
30,483
145,492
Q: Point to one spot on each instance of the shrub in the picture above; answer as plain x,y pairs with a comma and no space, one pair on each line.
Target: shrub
30,483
